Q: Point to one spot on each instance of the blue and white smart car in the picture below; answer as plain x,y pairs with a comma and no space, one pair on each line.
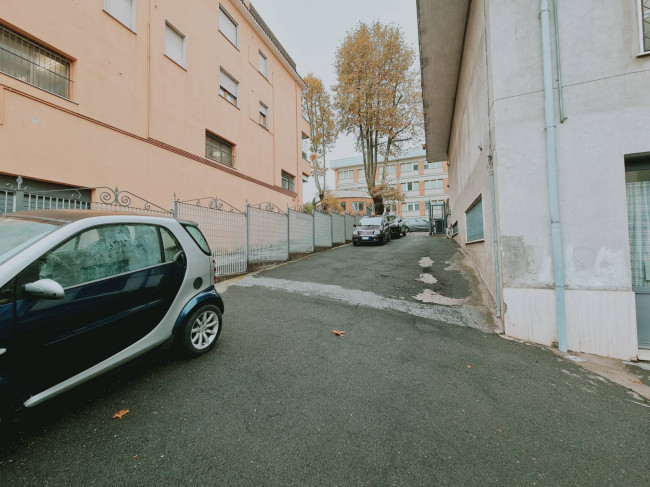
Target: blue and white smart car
82,292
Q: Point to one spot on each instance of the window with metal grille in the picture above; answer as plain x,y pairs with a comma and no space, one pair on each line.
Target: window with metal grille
287,181
264,115
123,11
228,87
645,25
228,26
32,63
218,149
474,221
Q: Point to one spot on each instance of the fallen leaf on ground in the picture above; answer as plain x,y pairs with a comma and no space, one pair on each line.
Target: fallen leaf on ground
120,413
338,333
469,366
636,381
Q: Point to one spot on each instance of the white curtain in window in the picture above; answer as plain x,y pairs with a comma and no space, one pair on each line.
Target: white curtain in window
174,47
122,10
227,26
228,83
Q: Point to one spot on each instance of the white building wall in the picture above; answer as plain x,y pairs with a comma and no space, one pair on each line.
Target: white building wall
606,101
469,146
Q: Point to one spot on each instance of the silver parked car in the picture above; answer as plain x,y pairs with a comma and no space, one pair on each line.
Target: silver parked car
82,292
417,224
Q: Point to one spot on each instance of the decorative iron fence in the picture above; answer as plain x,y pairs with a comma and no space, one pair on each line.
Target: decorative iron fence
261,233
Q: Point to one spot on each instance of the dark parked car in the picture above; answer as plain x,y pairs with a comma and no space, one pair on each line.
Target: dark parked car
397,226
417,224
82,292
372,229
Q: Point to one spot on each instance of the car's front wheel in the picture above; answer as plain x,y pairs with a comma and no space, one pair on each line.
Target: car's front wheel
201,330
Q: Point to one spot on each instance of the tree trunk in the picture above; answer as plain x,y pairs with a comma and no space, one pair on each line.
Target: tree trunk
378,201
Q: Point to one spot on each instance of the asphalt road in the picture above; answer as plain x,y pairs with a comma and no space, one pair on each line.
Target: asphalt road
414,393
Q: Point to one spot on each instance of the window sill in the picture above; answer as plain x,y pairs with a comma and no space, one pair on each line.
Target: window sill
229,41
121,23
476,241
229,102
221,163
176,63
643,54
61,97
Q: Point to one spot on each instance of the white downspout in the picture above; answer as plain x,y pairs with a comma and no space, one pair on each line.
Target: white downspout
551,157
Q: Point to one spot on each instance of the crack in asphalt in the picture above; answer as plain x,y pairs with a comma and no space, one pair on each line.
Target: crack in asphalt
467,316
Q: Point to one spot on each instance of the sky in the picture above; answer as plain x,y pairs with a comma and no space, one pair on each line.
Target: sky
311,31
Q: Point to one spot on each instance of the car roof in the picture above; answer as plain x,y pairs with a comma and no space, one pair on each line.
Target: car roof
69,216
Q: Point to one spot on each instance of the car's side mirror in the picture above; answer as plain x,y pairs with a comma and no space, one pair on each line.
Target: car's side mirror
354,225
45,289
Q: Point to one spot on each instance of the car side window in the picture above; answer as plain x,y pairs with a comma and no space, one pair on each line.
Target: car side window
170,245
102,252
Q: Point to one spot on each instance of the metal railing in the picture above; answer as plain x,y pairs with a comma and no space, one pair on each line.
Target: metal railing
261,233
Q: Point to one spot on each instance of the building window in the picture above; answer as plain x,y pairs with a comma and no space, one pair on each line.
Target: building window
433,184
474,221
454,229
32,63
362,175
228,87
409,166
262,64
411,186
346,174
431,165
645,25
264,115
228,26
305,146
174,44
412,206
218,149
357,205
342,205
123,11
287,181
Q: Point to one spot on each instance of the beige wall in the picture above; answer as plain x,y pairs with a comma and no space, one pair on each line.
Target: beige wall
137,120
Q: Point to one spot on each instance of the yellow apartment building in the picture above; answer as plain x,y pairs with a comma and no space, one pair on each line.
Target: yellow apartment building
422,182
154,97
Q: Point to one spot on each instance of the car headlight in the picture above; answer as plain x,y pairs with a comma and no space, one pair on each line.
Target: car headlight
355,232
377,232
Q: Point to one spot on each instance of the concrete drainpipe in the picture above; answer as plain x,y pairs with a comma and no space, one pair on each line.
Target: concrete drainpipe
551,158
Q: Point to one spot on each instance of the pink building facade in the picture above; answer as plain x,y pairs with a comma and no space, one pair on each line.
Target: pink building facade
159,98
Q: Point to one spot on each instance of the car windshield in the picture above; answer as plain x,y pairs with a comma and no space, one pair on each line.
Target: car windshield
17,234
371,221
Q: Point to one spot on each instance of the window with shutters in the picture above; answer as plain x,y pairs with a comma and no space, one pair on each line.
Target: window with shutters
474,221
174,44
262,64
228,87
228,26
264,115
123,11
